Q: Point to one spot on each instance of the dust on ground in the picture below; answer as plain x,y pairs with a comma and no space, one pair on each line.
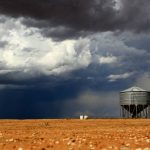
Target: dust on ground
74,134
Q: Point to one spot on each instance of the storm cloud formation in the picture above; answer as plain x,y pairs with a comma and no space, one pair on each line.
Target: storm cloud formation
61,19
65,57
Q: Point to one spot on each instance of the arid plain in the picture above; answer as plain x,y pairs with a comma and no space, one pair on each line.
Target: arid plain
74,134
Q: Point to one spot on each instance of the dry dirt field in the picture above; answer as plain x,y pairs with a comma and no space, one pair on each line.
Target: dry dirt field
74,134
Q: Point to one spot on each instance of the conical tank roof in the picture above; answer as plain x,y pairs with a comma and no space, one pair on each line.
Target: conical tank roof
134,89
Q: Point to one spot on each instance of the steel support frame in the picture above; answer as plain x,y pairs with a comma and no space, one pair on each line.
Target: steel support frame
145,113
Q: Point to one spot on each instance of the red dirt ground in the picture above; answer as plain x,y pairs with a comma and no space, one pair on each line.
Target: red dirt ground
74,134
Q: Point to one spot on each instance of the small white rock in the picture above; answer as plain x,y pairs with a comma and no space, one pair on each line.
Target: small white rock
11,140
69,143
83,140
148,140
110,147
124,148
91,146
146,148
127,144
138,149
57,142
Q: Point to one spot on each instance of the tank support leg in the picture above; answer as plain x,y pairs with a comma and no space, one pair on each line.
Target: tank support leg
136,111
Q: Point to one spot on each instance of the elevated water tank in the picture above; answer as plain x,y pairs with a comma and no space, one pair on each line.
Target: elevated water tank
135,103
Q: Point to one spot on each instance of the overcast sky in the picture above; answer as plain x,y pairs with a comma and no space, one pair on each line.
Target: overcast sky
62,58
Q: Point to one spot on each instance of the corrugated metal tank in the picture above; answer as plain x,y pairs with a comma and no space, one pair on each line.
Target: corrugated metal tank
134,96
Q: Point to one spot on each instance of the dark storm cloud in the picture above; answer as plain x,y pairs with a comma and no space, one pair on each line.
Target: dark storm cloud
47,97
60,33
74,13
75,16
135,15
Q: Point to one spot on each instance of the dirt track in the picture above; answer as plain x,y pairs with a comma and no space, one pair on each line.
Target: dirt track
75,134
